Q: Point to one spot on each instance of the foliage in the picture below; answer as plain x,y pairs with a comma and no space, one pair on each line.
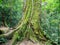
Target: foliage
11,11
50,19
3,40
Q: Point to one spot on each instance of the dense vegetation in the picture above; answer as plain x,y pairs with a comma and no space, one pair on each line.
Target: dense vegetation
36,20
11,11
51,19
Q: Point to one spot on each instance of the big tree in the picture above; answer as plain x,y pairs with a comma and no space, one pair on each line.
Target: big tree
29,26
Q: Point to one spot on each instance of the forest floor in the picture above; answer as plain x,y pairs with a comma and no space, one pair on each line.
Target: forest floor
25,42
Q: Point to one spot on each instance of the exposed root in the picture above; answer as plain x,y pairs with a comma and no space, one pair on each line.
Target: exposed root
8,35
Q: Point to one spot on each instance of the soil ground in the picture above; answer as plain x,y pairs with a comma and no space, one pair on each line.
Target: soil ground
24,43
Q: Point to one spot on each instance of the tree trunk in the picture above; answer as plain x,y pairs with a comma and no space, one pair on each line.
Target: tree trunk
29,26
30,23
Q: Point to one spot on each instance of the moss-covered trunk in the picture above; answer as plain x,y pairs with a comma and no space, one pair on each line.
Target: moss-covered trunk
29,26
